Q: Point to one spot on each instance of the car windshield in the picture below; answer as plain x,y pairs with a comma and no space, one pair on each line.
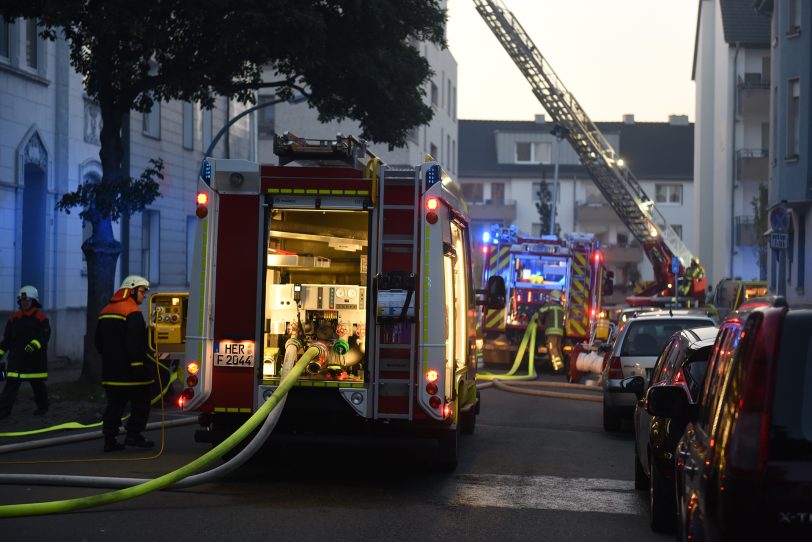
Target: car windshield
647,337
792,410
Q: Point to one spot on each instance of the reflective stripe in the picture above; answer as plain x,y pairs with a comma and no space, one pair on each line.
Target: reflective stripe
22,376
116,316
137,364
2,352
317,383
332,192
36,343
111,383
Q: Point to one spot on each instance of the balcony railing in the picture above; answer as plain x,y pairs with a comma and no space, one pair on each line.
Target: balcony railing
595,212
503,211
752,164
752,95
746,234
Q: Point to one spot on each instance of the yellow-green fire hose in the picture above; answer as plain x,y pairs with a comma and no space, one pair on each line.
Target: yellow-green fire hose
68,505
529,336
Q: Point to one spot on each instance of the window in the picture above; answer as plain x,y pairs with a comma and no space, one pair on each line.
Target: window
191,223
448,97
498,193
454,103
150,245
207,126
794,119
668,193
152,121
794,18
533,153
31,44
677,229
435,95
266,116
472,192
5,39
188,126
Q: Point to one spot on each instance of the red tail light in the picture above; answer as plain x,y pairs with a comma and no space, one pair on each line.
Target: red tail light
615,370
679,378
750,441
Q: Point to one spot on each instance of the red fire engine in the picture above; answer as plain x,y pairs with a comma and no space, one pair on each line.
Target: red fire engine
333,249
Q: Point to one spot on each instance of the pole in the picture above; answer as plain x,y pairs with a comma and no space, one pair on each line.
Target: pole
295,100
555,184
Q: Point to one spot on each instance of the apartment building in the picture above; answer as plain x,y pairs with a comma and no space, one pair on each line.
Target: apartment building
503,163
49,144
732,135
790,172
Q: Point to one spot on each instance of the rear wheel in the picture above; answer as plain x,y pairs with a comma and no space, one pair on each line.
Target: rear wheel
661,499
468,418
611,419
640,478
448,451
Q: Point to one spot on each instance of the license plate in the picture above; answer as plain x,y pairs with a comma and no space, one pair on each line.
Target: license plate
234,353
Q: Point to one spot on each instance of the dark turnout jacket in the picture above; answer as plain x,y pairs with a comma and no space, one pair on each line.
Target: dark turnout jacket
121,339
27,328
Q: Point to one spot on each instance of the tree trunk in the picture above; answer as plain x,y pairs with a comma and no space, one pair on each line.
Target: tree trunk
102,249
101,254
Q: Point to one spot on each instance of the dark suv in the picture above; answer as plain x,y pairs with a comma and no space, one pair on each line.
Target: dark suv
744,464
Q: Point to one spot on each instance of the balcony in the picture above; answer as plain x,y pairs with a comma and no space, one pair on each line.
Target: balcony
617,255
752,164
503,212
746,234
595,212
753,95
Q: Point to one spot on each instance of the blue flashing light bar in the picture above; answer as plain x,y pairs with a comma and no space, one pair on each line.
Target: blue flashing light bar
486,237
206,171
434,174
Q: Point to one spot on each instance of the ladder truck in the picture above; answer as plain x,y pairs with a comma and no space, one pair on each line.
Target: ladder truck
667,253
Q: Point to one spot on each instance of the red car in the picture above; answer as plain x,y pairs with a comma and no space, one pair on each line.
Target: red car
744,464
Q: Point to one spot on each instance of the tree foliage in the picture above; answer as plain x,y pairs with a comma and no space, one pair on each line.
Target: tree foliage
544,206
355,59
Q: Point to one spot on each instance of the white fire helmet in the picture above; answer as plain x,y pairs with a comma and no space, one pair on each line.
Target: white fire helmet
555,294
134,281
30,292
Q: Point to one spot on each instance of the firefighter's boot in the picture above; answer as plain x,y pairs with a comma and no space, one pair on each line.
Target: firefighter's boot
112,445
137,440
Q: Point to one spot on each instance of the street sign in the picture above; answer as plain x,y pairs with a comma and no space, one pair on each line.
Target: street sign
675,266
779,240
779,219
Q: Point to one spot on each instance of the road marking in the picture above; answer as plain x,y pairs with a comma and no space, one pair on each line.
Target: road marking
548,493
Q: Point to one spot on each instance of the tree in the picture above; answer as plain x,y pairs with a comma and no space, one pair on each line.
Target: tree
760,225
544,206
352,59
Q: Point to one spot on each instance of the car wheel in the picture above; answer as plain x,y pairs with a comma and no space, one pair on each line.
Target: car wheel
640,478
611,419
661,500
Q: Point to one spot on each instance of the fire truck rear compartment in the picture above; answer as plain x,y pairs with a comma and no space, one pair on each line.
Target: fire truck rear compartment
316,292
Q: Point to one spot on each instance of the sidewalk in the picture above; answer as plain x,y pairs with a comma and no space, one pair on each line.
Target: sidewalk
71,401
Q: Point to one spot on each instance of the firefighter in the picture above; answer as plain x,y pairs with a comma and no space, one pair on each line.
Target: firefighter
121,339
552,315
26,341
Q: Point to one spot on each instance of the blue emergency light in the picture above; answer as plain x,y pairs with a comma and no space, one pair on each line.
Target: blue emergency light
206,171
486,237
433,175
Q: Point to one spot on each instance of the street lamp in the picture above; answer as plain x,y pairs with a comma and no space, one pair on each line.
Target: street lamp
224,130
560,133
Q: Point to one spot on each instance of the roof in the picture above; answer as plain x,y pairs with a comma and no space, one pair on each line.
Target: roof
743,25
653,150
702,336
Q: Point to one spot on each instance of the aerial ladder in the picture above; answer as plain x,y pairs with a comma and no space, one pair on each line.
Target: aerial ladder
665,250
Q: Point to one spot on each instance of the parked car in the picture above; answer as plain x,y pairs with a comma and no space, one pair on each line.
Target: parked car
744,463
634,352
682,361
730,294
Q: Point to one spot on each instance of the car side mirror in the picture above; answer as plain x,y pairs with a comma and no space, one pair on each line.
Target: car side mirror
635,384
668,401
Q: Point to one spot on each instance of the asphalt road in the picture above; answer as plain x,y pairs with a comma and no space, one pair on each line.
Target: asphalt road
536,468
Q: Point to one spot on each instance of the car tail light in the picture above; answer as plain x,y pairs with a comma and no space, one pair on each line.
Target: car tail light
679,378
750,441
615,370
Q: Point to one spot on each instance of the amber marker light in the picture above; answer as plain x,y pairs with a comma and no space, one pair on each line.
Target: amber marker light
432,375
192,367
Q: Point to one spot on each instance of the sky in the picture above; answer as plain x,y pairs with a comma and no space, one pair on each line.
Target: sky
616,57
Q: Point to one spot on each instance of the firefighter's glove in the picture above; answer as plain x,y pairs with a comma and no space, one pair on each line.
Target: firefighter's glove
32,346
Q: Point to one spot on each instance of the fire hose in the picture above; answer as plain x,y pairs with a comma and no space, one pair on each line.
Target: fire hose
137,487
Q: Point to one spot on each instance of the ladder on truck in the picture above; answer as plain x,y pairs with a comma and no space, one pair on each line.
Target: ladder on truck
394,349
614,180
